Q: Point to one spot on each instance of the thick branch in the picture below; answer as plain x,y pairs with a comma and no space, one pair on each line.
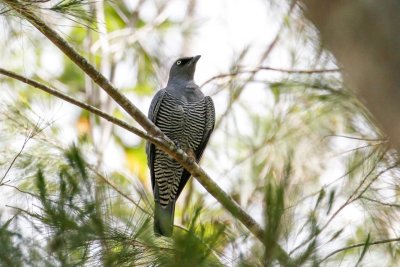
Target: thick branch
163,142
78,103
84,65
210,185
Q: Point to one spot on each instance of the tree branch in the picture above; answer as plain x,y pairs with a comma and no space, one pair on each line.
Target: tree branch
77,103
27,138
360,245
84,65
381,202
236,93
156,136
113,186
257,69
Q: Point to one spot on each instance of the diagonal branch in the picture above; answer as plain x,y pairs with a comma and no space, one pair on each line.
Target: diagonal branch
236,93
84,65
156,136
77,103
27,138
208,183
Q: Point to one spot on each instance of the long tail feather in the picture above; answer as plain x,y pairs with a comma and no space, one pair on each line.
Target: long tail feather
164,219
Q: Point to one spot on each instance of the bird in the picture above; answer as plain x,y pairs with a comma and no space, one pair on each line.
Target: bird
186,117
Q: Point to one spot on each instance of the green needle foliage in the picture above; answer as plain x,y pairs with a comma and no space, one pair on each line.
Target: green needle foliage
77,231
75,8
10,253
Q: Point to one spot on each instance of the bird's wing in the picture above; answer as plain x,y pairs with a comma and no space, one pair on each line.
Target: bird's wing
150,148
210,123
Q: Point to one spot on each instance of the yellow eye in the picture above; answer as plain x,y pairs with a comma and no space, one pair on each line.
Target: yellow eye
178,62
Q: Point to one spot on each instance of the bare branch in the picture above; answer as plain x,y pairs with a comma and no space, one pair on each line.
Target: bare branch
360,245
29,135
356,138
21,191
113,186
257,69
27,138
263,57
353,197
84,65
76,102
381,202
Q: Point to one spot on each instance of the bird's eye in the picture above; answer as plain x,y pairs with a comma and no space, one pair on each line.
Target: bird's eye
178,62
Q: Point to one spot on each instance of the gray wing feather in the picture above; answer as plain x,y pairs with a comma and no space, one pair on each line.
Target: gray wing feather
210,123
150,148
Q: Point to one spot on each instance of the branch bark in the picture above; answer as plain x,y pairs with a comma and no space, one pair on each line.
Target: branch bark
77,103
155,135
84,65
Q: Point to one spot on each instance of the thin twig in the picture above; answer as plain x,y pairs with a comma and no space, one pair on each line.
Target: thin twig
21,191
360,245
294,71
349,200
236,94
353,196
27,138
111,184
256,70
357,148
381,202
357,165
355,138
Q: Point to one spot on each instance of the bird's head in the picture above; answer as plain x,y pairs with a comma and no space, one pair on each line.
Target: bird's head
183,69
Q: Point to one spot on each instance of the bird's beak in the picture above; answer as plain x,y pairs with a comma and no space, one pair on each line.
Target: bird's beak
195,59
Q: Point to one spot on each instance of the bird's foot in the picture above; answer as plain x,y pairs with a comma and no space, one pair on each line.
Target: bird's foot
191,156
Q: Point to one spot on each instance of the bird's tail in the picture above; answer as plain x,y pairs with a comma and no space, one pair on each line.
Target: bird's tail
164,218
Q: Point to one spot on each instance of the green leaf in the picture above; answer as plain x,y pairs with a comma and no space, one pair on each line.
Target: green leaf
276,91
365,248
330,201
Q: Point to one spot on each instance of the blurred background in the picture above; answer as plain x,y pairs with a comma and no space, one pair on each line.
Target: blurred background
292,144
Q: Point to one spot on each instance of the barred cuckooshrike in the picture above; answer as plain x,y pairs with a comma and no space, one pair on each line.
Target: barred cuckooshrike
187,117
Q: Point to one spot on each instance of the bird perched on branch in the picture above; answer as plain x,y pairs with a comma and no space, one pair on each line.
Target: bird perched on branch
187,117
